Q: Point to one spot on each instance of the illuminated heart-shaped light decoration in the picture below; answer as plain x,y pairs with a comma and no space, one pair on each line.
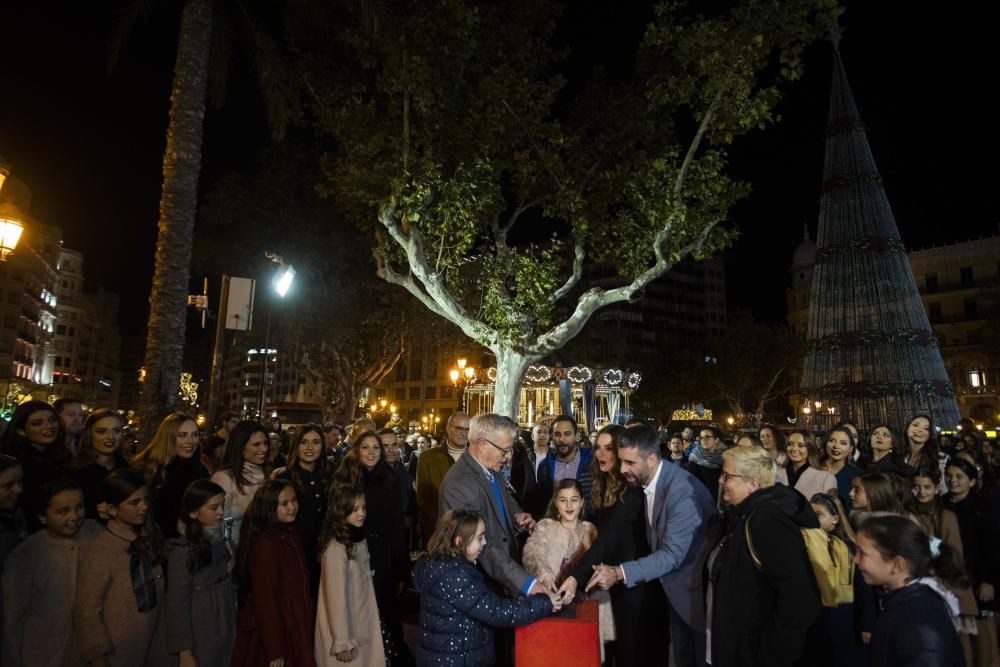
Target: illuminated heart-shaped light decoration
579,374
614,377
633,380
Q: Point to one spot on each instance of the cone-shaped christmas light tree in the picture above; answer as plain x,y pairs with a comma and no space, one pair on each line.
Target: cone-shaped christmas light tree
872,355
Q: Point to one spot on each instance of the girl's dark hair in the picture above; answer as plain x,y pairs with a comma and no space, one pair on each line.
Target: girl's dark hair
50,489
335,526
349,472
261,513
932,448
565,483
898,536
987,480
835,507
238,439
85,449
779,437
7,462
453,533
292,462
754,440
116,489
13,441
608,487
882,493
930,470
195,496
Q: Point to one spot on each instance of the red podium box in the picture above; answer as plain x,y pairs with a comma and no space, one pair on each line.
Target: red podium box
560,641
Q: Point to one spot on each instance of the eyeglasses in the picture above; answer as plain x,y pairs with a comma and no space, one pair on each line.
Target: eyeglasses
726,476
504,451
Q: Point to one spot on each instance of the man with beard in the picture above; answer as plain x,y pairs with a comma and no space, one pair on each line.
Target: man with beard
678,513
568,460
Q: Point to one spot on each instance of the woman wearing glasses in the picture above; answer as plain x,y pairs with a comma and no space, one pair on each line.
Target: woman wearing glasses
763,593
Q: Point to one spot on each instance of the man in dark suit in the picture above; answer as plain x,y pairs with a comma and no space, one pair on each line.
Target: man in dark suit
679,511
474,483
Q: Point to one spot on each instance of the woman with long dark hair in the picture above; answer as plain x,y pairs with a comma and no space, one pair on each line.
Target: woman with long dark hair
35,438
837,457
883,451
242,471
386,535
920,444
98,454
621,537
306,469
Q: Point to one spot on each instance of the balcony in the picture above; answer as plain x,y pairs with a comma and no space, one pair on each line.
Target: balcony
984,390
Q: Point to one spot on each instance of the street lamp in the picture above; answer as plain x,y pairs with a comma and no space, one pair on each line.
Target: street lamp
281,281
466,374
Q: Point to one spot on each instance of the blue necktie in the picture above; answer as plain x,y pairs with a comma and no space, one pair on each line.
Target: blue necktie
498,496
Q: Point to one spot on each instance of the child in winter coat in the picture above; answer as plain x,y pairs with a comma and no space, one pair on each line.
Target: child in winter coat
119,585
457,609
201,598
347,620
915,626
849,625
39,581
277,613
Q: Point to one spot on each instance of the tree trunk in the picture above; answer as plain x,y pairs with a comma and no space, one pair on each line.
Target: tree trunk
178,204
511,366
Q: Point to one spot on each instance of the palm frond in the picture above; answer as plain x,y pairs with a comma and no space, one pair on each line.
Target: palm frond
125,18
271,67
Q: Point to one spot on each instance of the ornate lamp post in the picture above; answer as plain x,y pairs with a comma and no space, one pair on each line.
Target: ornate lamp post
466,374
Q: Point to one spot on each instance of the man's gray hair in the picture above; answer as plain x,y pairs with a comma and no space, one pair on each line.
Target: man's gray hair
489,424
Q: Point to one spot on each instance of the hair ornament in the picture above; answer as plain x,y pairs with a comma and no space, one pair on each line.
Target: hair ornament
935,544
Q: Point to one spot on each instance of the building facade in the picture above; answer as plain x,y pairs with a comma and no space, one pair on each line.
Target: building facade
55,339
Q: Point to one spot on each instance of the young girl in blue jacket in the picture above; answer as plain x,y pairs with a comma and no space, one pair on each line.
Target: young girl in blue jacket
457,609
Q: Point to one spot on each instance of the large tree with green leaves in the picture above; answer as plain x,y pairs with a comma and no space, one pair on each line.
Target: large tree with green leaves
488,184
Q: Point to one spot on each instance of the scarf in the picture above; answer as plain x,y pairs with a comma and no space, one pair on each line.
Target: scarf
949,598
143,577
704,458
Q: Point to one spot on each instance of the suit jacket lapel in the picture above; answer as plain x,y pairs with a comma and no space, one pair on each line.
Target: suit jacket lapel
486,487
659,502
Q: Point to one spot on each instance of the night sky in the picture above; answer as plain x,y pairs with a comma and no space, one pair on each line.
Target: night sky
90,144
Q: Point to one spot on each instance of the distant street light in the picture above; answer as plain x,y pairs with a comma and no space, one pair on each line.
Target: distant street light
281,282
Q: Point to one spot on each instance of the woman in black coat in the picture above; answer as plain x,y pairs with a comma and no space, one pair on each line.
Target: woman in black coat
764,596
97,455
386,534
621,537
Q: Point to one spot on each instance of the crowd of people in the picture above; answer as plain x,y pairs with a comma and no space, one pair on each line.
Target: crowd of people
247,546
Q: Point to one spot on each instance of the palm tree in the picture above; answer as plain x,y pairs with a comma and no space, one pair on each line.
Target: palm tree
203,54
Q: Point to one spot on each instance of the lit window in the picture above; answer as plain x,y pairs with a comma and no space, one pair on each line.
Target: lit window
977,378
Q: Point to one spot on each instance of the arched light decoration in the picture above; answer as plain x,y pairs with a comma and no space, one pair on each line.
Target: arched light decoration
633,380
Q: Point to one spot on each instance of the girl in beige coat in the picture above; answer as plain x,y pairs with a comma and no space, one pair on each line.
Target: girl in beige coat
120,586
347,621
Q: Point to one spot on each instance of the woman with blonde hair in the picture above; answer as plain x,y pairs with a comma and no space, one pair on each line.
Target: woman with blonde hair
762,585
169,463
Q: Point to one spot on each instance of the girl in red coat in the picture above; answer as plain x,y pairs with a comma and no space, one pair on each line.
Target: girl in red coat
274,627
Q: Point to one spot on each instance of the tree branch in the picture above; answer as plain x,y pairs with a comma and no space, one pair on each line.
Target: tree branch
433,291
579,254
